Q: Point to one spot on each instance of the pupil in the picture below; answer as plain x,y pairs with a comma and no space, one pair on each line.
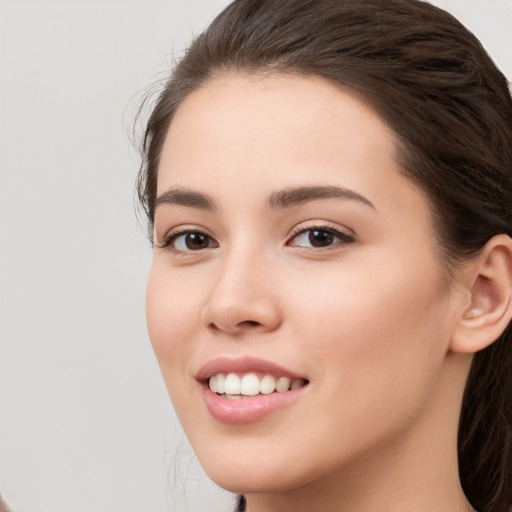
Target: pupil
196,241
319,238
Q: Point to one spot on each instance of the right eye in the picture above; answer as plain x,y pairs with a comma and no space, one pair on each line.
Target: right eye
188,241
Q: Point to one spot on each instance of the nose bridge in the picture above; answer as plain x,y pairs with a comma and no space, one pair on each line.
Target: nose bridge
242,296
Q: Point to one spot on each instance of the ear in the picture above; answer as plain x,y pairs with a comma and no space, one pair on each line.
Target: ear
489,283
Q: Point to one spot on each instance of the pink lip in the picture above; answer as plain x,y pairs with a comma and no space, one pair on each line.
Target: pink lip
243,365
245,410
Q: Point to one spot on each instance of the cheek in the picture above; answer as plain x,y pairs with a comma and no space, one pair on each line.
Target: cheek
376,335
374,350
172,318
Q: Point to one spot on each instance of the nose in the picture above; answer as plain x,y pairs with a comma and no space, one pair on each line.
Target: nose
243,299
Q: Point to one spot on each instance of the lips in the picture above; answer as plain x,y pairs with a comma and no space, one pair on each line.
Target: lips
247,389
244,365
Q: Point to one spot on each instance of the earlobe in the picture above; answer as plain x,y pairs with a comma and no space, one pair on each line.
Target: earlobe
490,288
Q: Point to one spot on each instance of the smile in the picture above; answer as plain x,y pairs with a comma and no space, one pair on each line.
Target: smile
247,389
236,386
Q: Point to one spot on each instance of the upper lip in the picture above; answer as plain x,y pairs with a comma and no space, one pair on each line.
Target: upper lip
243,365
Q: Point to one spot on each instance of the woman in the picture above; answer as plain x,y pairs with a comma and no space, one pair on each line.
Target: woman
328,186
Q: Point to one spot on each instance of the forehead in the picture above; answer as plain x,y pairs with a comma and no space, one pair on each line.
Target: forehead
260,133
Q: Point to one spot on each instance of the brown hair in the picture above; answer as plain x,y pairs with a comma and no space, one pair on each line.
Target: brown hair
433,83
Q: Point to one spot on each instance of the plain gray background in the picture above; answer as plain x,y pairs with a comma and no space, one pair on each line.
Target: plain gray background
85,421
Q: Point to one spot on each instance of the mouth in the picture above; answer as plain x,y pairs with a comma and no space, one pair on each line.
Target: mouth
238,386
247,389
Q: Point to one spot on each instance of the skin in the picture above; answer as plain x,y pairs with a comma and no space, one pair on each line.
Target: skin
3,506
369,321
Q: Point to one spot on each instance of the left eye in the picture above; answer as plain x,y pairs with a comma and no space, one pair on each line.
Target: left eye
319,237
190,241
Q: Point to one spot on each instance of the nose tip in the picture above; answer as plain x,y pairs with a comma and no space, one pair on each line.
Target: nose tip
236,306
239,318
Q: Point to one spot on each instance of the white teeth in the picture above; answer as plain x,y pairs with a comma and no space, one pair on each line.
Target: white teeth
220,383
233,387
250,385
232,384
267,385
283,384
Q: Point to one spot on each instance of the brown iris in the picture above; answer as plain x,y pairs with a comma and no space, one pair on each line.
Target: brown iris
196,241
320,238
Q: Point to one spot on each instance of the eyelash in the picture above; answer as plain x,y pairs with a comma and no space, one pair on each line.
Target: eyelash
173,236
299,230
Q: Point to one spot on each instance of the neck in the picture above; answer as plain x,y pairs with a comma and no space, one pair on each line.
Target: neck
416,469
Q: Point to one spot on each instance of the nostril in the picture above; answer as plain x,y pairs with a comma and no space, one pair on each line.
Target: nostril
249,323
246,324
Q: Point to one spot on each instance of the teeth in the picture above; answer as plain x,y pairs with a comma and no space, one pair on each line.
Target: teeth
267,385
220,383
232,384
250,385
296,383
233,387
283,384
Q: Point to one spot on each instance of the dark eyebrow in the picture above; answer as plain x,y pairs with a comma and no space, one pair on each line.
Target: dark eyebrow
185,197
297,195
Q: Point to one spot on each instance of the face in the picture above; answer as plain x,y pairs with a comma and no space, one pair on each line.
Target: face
290,251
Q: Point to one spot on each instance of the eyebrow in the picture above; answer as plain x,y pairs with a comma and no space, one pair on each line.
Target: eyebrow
186,197
281,199
298,195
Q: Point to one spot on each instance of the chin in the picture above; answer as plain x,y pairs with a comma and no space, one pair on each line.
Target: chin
259,469
244,478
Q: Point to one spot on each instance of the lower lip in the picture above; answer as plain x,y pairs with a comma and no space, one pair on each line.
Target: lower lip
247,410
